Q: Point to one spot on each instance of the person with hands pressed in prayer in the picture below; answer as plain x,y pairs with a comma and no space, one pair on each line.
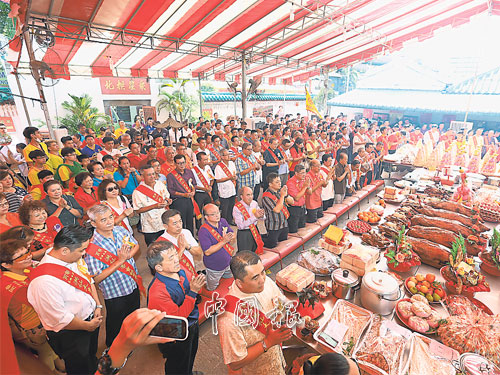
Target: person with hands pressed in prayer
60,205
111,264
186,245
126,176
314,204
225,175
297,186
215,237
65,298
174,293
249,350
204,178
246,213
273,201
150,200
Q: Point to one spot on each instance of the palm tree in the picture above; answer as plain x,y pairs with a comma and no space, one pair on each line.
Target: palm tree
177,102
81,111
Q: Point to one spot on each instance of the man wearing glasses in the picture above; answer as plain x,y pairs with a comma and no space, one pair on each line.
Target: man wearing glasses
180,183
215,237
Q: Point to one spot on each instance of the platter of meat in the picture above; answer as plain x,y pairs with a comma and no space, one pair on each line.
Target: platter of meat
375,239
383,350
458,304
344,327
358,226
429,357
418,315
318,261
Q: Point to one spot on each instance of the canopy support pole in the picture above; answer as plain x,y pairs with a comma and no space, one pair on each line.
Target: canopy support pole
39,86
22,98
201,97
243,87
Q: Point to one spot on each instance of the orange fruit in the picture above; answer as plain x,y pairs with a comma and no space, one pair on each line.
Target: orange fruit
424,289
430,277
426,283
420,277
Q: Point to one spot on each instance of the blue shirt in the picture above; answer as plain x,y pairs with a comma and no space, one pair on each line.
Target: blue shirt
176,292
131,184
97,181
117,284
89,152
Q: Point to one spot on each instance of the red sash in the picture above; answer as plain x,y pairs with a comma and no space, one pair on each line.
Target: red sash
167,168
275,157
313,147
253,229
325,169
235,151
150,193
265,145
185,262
8,288
109,258
284,210
103,152
218,237
64,274
185,186
203,180
116,214
263,323
226,170
246,160
215,153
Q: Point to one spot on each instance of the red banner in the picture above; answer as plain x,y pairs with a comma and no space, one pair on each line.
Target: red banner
124,86
9,124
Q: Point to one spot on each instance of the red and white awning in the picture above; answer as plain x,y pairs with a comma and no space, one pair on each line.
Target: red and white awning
283,40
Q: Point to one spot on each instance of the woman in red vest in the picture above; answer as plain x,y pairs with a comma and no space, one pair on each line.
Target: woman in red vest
15,261
7,219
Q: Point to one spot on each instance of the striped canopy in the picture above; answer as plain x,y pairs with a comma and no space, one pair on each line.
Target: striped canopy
281,40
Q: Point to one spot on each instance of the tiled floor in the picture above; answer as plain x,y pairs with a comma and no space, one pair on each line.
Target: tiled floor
209,357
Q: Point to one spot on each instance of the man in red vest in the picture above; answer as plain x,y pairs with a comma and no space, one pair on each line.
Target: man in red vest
65,298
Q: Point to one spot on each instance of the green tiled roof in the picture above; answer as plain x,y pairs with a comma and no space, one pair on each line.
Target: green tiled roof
229,97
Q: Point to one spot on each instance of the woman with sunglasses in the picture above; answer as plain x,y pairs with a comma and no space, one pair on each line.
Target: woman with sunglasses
16,311
14,194
65,207
34,215
86,194
7,219
110,194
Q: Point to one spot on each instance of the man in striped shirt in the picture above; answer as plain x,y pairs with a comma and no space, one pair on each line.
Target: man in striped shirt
273,201
120,291
246,167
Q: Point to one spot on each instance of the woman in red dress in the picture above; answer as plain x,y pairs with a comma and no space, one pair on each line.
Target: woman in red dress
7,219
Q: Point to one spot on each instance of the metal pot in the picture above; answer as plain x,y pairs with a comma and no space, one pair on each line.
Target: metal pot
345,283
380,292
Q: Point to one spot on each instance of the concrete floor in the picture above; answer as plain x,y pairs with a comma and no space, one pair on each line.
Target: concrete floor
209,358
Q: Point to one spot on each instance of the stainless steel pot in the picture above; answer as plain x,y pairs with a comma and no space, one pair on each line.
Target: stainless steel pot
345,283
380,292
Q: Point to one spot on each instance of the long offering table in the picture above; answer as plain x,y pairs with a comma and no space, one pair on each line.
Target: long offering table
490,299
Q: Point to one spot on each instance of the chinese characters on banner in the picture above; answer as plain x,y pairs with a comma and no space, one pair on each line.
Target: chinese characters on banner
9,124
124,86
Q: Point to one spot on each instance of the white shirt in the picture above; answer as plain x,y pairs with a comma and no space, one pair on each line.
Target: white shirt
115,153
150,220
189,239
327,192
55,301
240,221
206,172
124,204
258,173
283,168
227,188
174,135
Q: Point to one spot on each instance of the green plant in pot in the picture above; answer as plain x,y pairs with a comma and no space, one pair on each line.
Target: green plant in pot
491,259
400,256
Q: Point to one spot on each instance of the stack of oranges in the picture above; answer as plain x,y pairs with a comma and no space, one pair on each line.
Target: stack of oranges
369,217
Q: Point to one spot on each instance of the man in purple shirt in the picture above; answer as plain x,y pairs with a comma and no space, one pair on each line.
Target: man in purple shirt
214,237
181,195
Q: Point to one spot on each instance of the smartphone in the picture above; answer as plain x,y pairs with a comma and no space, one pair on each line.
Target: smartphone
172,327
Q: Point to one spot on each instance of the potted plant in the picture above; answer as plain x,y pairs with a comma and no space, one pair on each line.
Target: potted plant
400,257
461,275
491,259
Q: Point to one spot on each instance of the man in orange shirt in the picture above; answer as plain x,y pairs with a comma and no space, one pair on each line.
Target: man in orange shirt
135,155
297,186
394,139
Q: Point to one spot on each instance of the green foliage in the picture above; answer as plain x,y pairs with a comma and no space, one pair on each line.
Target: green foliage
458,251
7,25
319,100
495,247
81,111
207,87
176,101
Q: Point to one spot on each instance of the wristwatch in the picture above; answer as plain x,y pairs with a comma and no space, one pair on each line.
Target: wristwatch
104,364
264,346
99,306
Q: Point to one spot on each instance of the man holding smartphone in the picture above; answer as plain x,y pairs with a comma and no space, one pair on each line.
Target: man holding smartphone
172,292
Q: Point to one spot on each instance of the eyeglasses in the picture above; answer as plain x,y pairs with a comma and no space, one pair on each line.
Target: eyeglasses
110,189
4,204
214,214
22,257
180,162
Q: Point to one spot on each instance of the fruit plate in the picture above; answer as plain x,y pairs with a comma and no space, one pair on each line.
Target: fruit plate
287,289
431,331
358,226
435,282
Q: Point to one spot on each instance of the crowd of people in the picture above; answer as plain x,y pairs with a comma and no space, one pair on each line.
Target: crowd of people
200,196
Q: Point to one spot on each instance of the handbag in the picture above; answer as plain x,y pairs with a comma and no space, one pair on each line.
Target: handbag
134,219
